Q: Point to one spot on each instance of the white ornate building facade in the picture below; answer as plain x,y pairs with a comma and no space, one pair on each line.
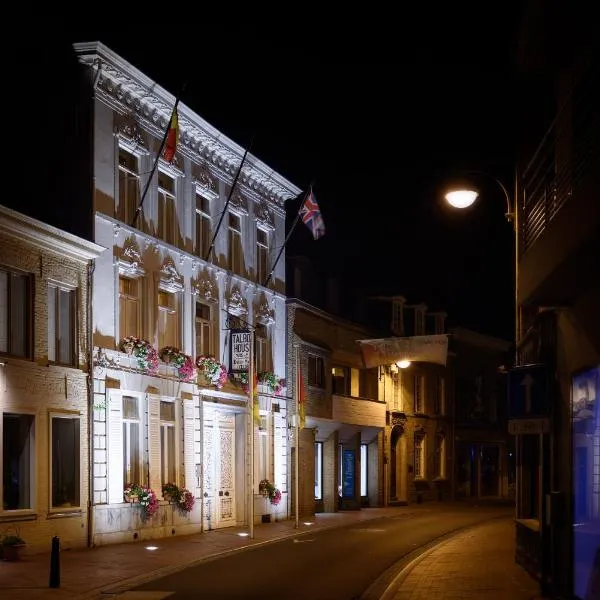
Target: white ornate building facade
160,282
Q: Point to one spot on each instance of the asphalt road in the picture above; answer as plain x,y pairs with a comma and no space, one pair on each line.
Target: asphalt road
336,564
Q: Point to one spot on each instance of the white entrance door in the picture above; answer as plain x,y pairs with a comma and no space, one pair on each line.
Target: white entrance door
219,469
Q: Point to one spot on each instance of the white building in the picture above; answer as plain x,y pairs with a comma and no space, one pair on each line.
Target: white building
44,358
154,282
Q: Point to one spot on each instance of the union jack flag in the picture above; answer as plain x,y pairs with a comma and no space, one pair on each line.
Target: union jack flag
311,216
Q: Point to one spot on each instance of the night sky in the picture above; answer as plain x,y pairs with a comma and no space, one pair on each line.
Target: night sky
380,118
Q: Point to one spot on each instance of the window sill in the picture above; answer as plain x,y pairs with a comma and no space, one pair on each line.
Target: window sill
65,514
17,516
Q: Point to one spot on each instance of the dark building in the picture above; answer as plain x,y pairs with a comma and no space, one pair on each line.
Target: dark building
558,211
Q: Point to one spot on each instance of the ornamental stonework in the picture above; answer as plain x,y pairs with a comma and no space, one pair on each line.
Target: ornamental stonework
205,287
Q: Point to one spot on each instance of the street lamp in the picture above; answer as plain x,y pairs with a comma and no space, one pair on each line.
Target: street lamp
403,364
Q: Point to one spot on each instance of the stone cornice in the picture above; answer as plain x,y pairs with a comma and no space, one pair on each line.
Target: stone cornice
46,237
129,91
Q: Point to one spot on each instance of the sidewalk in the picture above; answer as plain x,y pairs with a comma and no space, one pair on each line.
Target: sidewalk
476,564
107,570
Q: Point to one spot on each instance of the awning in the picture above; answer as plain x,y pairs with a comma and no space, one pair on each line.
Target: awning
416,348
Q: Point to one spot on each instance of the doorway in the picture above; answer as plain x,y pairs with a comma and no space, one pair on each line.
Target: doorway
397,487
219,469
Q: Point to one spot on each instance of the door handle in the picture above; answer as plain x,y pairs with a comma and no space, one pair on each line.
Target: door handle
227,493
206,494
221,493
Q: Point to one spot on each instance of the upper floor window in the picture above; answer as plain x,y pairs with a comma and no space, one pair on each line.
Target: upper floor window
419,393
439,458
168,325
203,226
129,307
419,455
439,399
340,380
61,325
316,371
264,358
167,213
262,255
235,243
15,313
129,186
204,328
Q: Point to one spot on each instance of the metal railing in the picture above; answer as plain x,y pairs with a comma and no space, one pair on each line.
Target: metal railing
563,161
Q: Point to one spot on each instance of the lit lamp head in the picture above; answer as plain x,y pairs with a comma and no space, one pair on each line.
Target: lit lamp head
403,364
461,198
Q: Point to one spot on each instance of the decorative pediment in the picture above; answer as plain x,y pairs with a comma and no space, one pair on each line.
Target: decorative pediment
129,259
236,303
264,314
170,279
239,203
204,179
264,215
205,287
398,419
130,132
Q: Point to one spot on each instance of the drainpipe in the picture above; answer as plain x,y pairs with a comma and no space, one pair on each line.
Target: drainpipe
90,383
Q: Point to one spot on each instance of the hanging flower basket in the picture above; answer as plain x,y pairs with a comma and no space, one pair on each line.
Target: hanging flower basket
268,490
181,498
212,371
171,355
187,371
144,496
274,383
146,355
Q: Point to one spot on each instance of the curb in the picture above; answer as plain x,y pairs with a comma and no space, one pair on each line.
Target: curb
116,588
387,584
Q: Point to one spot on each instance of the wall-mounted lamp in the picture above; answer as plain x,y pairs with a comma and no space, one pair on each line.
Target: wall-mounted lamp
403,364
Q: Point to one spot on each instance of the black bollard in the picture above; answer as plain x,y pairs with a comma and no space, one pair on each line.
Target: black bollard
55,563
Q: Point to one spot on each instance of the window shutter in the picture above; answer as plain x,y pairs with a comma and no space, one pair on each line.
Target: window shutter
115,449
154,443
189,467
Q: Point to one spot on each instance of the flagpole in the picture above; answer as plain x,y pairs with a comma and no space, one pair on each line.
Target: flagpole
297,434
251,440
212,242
160,151
287,237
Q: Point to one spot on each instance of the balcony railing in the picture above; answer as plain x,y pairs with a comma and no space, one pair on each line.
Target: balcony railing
563,161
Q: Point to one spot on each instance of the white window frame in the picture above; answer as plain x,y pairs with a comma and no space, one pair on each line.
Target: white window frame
209,323
139,282
262,251
264,352
175,425
71,415
28,308
420,462
33,453
129,216
54,288
318,470
142,420
440,451
364,470
419,394
202,216
169,198
177,311
235,249
264,448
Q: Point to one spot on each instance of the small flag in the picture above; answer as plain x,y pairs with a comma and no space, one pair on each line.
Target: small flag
301,400
311,216
172,138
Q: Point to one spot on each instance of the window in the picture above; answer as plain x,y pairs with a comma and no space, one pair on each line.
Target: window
263,462
264,359
419,322
439,458
262,255
203,330
18,461
316,371
340,380
61,325
363,470
168,329
419,393
129,186
439,400
318,470
235,243
129,307
168,452
65,461
15,313
132,429
166,208
419,456
203,226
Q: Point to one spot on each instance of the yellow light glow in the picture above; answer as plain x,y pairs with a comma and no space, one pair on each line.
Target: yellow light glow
461,198
403,364
307,523
151,547
243,534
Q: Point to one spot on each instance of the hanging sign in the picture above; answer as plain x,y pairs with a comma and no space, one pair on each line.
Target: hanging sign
239,350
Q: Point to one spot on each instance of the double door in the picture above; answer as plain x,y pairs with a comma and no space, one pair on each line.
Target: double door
219,469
